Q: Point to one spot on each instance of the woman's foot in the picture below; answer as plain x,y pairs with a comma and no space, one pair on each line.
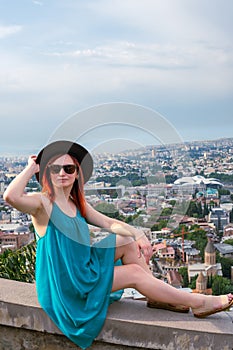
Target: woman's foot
212,304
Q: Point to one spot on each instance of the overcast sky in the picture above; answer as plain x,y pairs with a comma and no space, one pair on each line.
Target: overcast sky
59,57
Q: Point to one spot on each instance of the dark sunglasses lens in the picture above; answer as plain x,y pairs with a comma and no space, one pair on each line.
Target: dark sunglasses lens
69,169
55,169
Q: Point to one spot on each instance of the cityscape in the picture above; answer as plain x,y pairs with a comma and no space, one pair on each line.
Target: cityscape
146,88
180,195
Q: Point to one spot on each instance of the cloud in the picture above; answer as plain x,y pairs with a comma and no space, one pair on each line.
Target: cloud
175,56
167,20
196,67
39,3
150,55
122,68
9,30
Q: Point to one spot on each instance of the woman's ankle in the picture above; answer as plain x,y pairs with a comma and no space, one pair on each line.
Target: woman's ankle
198,301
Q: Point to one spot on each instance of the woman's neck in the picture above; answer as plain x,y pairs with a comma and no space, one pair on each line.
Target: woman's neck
62,195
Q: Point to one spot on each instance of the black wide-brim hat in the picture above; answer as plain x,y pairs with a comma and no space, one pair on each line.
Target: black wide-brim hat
65,147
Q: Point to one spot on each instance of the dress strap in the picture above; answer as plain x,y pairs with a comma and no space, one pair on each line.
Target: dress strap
37,236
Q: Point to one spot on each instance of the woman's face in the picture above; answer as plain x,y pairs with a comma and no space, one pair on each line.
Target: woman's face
63,171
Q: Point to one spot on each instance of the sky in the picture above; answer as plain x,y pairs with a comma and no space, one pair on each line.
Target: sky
61,57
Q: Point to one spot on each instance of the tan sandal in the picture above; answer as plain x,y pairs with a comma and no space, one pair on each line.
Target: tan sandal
208,310
167,306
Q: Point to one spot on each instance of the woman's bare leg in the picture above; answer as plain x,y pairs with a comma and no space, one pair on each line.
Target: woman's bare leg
134,276
126,250
135,273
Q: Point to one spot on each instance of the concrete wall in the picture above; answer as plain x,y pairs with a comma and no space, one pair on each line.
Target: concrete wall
129,325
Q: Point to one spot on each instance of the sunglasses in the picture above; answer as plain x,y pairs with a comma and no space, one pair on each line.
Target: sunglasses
68,168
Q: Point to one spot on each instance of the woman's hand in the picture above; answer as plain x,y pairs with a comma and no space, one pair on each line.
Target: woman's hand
33,165
144,247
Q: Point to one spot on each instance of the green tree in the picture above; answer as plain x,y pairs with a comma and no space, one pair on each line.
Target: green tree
205,210
199,210
209,281
192,209
166,212
129,219
138,221
162,224
229,241
223,192
108,209
155,227
192,284
199,236
183,271
221,285
19,265
226,264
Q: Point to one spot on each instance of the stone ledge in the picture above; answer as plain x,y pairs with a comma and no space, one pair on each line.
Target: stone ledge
129,325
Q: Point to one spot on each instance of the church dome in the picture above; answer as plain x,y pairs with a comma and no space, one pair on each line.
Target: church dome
210,248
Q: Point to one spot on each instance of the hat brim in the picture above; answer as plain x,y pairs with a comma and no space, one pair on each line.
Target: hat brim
65,147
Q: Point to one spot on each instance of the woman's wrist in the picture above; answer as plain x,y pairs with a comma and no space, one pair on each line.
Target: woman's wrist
120,229
30,170
139,234
32,167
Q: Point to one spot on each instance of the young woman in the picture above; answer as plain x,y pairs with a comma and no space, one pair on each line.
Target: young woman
76,281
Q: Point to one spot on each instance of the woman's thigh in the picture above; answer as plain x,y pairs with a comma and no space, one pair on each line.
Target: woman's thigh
124,245
127,276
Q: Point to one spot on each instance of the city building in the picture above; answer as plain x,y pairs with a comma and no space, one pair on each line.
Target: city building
225,250
174,279
164,251
228,231
14,237
198,182
219,217
201,283
209,267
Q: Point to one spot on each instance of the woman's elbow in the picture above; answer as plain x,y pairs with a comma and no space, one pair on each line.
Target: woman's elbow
8,197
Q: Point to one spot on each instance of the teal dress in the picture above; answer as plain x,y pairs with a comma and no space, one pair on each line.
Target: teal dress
74,278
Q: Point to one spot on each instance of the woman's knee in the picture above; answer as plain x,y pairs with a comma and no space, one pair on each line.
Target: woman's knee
136,271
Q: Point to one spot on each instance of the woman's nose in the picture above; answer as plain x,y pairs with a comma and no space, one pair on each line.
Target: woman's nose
62,171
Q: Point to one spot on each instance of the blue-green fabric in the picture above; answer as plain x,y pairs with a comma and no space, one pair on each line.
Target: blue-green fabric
73,278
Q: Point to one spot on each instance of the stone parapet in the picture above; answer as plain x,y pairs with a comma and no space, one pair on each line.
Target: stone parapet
129,325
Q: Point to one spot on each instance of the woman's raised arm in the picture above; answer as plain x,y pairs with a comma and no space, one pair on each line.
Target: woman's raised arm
15,193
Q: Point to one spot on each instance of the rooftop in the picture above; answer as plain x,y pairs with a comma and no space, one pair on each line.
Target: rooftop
224,248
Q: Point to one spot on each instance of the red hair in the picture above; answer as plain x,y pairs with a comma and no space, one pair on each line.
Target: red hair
77,191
